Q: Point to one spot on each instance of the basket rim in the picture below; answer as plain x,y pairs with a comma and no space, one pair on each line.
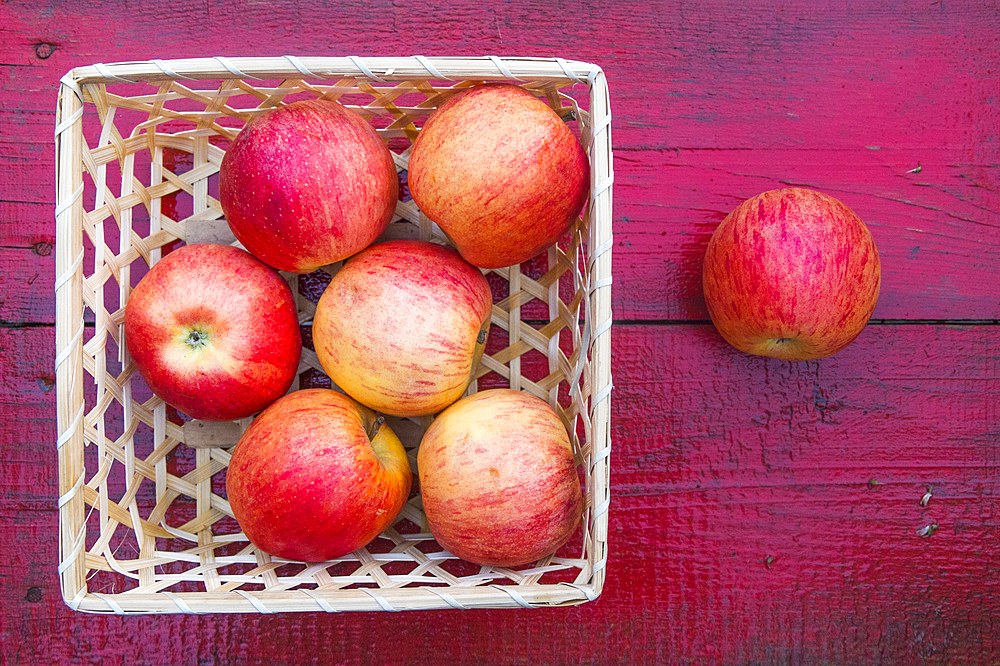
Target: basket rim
502,68
338,600
69,276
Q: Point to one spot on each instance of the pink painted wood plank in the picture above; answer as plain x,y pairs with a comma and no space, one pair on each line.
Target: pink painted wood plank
710,107
762,512
938,232
27,295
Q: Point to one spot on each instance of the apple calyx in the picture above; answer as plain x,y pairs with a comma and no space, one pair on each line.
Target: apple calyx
787,349
197,339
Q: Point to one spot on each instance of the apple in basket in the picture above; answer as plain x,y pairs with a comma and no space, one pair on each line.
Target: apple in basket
317,476
307,184
498,480
791,273
500,173
402,326
214,332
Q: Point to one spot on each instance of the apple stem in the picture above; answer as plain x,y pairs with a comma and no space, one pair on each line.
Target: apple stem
376,426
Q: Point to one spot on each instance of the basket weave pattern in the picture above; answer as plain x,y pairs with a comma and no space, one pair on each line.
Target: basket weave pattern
144,523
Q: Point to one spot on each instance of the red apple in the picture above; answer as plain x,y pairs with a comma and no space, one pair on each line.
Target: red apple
497,478
500,173
791,273
307,184
214,332
402,326
316,476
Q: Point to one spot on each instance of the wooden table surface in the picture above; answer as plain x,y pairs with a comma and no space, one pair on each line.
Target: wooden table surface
763,512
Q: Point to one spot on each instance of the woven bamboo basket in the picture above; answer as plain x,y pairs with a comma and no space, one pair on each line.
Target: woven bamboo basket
144,522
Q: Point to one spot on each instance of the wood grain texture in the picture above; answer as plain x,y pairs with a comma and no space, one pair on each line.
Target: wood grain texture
763,512
711,105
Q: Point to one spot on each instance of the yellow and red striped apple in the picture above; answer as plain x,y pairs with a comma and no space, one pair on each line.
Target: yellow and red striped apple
791,273
402,326
498,480
500,172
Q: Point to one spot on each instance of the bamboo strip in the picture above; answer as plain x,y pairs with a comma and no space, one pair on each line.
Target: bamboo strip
396,69
69,350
